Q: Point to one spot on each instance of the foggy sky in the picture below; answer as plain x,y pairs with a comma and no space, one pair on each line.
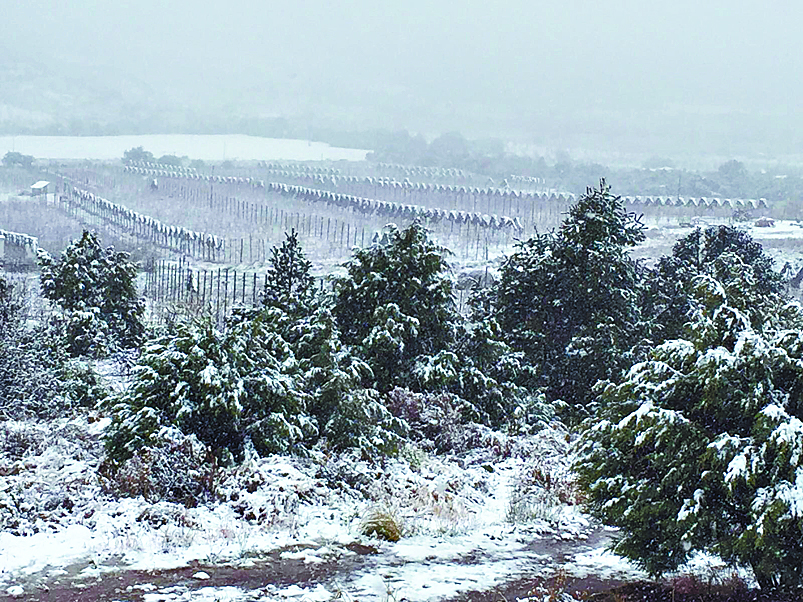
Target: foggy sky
410,63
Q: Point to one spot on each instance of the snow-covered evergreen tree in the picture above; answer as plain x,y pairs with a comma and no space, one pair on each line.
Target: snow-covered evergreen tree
10,305
397,298
274,407
348,411
700,446
570,300
36,377
289,284
396,310
480,369
229,389
97,289
668,299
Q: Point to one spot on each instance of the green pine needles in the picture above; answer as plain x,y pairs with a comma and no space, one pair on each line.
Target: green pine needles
289,284
699,446
96,288
569,300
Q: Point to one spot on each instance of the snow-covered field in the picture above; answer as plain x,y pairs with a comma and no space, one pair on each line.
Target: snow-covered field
287,528
205,147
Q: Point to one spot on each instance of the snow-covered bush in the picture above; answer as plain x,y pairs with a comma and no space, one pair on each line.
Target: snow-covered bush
483,370
83,385
12,301
382,522
437,421
36,377
396,303
231,390
396,310
175,467
87,334
97,289
32,369
348,412
347,471
700,447
668,300
46,479
362,421
18,440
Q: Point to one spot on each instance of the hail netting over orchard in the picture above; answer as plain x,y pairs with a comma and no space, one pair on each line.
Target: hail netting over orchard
368,196
324,220
254,207
468,192
197,244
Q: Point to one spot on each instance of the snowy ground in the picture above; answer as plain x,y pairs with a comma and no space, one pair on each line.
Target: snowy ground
469,522
286,528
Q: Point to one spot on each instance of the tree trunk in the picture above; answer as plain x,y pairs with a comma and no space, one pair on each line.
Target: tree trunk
766,580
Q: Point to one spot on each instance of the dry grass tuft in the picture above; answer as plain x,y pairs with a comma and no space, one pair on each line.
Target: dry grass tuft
384,523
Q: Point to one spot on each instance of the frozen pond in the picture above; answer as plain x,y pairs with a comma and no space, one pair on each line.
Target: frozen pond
206,147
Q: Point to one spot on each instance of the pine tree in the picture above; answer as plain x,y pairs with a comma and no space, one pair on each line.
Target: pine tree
396,303
668,299
699,446
36,379
570,300
289,284
97,289
10,306
230,389
348,411
481,370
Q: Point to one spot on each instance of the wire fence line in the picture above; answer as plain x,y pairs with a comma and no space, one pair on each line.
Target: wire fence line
214,292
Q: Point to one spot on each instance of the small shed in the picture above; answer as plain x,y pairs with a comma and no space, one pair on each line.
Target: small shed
40,188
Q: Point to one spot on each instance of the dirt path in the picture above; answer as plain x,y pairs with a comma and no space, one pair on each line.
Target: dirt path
121,585
261,576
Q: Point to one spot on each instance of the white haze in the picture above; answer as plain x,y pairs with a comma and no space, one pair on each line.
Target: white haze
714,76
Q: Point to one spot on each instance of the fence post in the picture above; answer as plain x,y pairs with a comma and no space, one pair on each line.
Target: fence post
217,298
164,280
225,293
